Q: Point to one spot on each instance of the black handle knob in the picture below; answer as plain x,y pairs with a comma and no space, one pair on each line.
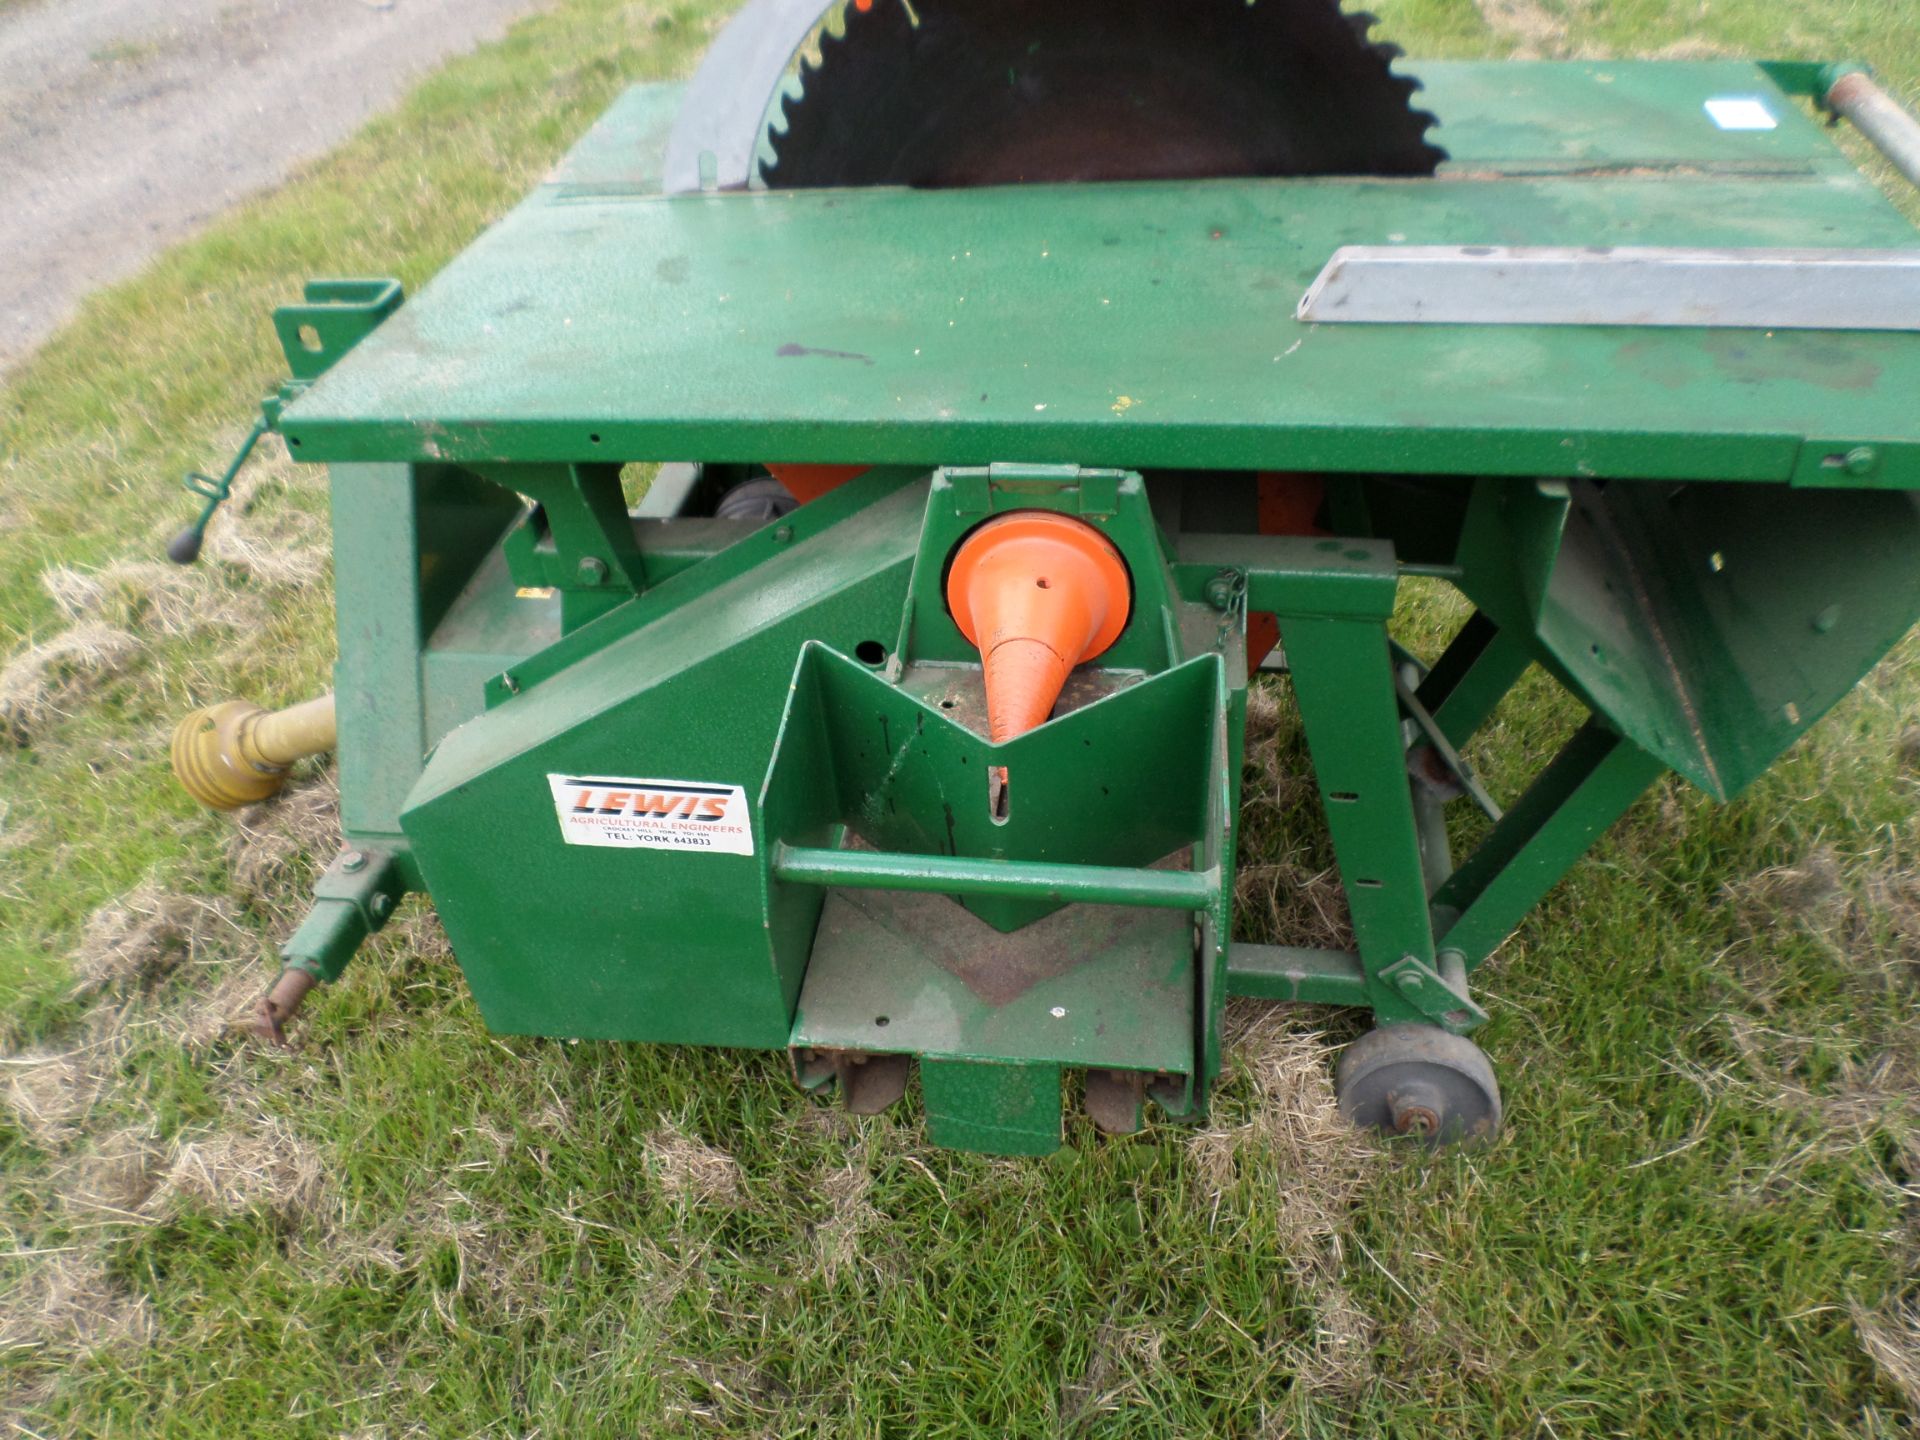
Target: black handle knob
184,548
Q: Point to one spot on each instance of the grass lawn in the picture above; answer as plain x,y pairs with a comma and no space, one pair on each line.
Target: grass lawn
1702,1219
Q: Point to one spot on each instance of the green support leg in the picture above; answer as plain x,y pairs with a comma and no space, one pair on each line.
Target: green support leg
1476,671
992,1109
1343,684
377,596
1589,785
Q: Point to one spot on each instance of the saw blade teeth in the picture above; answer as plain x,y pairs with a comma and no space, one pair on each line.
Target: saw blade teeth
891,99
836,20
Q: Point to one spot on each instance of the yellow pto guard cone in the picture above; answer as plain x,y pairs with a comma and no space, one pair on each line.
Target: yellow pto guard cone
235,754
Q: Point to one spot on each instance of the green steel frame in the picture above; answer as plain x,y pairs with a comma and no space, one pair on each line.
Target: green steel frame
1650,517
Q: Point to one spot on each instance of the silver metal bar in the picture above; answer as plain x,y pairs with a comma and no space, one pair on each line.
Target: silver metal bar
1881,118
1751,289
1454,761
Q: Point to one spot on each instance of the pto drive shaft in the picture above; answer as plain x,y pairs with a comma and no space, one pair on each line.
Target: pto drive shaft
235,754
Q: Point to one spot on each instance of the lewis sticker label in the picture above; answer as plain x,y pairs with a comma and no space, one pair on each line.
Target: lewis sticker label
652,814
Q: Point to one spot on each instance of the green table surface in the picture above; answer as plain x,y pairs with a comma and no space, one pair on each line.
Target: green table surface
1150,324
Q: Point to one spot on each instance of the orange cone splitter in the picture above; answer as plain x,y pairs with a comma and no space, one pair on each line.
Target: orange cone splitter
1037,593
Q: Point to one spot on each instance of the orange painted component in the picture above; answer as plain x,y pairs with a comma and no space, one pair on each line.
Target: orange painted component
1036,593
1288,503
810,482
1263,633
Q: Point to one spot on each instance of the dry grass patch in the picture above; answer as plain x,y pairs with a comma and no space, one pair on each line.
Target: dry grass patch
1864,911
1693,47
1909,747
148,595
47,680
1533,29
1881,1090
1121,1365
1312,1166
113,1178
50,1092
265,1166
273,545
1293,904
1891,1338
142,937
837,1239
66,1302
223,1009
690,1171
270,840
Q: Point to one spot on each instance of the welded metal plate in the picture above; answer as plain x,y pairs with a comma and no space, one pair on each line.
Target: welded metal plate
1089,985
1723,288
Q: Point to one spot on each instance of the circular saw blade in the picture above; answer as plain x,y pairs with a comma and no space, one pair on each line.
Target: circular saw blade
946,93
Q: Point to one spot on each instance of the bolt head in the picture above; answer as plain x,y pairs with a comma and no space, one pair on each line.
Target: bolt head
381,906
592,570
1862,460
353,860
783,535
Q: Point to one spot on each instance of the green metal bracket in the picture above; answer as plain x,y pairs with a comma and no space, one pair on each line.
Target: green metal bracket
356,896
912,781
1811,79
1438,992
576,538
1481,664
335,316
993,1109
767,545
1297,575
996,489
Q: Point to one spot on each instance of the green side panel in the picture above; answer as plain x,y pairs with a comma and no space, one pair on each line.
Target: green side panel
409,543
1710,624
1155,321
992,1109
645,943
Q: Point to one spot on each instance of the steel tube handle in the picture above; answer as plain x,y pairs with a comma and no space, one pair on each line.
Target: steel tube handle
1024,879
1879,117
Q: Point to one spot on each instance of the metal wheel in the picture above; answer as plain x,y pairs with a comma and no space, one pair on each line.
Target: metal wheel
1421,1081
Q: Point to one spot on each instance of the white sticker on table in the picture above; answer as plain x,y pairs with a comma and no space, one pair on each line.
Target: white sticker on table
1741,112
